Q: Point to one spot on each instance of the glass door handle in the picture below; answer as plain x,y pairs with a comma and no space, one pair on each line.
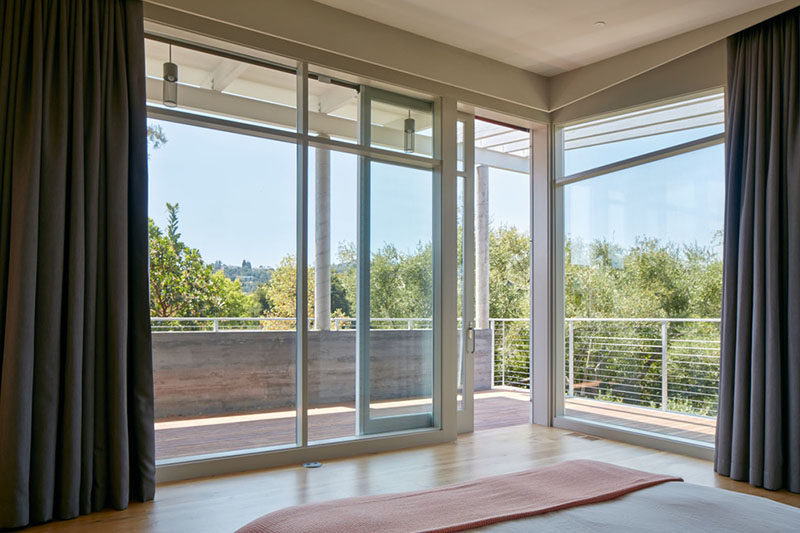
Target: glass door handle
470,338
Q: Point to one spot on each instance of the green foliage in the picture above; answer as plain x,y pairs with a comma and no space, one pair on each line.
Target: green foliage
155,136
622,361
509,273
172,224
181,284
341,304
401,285
651,280
280,294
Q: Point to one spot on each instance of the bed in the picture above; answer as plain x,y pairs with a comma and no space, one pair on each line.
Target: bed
574,495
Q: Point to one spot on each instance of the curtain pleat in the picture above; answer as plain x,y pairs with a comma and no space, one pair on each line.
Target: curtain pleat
758,426
76,390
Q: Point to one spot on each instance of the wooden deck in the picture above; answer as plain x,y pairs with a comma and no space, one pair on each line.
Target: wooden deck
692,427
493,409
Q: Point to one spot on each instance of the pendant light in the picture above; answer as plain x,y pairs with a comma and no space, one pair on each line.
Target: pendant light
408,134
169,94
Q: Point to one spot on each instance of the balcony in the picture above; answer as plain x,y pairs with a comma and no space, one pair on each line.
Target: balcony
226,384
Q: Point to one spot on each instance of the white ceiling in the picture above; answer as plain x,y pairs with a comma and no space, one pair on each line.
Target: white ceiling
547,36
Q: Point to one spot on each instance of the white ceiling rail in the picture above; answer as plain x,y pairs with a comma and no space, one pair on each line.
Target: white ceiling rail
684,124
696,113
334,98
255,111
225,73
252,110
181,116
716,98
499,160
657,155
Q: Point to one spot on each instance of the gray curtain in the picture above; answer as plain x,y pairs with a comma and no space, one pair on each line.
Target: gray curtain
758,426
76,389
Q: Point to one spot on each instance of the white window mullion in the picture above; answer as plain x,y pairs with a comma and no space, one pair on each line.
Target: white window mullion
301,262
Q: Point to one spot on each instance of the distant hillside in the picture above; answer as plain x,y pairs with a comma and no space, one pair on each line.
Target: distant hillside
251,278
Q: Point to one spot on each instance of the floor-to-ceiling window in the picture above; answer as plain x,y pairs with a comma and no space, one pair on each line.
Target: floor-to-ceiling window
292,279
642,199
220,249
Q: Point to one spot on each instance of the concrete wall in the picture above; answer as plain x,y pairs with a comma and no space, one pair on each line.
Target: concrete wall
204,373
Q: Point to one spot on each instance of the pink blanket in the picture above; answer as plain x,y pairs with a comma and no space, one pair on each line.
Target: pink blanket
465,505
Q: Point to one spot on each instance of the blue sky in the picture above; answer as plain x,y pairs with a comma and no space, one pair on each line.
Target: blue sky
237,196
679,199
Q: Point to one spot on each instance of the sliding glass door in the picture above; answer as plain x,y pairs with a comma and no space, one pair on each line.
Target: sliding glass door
298,303
466,272
395,349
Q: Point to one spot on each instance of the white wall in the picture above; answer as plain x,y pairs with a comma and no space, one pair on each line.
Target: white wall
699,71
336,39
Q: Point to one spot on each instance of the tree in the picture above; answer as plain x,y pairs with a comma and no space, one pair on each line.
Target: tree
509,273
280,292
652,279
341,305
181,284
155,136
172,224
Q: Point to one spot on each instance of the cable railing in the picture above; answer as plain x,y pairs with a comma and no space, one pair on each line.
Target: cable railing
233,324
511,357
670,364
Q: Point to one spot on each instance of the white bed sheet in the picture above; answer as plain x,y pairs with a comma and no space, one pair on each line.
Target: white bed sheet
672,506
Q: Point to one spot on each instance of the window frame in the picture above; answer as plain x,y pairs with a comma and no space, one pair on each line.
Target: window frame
442,164
556,331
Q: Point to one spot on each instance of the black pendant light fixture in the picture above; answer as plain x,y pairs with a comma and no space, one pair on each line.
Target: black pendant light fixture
408,134
169,93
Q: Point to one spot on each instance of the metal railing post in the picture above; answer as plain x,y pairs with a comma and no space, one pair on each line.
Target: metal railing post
494,350
664,383
571,359
503,356
695,350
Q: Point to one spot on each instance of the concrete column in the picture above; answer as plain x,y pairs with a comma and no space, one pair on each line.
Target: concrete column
322,261
482,247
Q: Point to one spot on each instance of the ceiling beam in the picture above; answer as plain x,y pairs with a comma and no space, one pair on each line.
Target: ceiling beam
334,98
224,74
196,98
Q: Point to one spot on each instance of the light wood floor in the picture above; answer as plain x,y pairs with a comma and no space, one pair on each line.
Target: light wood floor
225,503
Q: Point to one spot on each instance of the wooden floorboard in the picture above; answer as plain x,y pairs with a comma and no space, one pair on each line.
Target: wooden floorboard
224,503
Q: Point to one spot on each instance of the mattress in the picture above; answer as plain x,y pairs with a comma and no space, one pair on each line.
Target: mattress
578,495
672,506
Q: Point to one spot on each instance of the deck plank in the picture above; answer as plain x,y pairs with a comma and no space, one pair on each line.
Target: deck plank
493,409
